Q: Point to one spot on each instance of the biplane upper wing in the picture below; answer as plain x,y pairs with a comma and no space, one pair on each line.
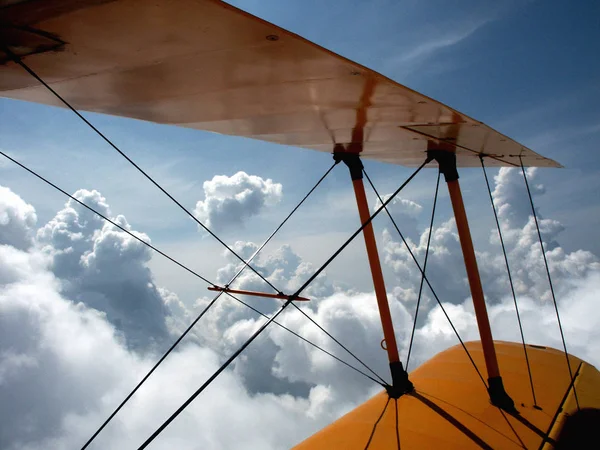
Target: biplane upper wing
205,64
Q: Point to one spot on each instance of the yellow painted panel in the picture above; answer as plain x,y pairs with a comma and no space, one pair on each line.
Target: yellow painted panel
450,407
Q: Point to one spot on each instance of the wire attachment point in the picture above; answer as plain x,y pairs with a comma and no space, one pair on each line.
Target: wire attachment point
446,161
499,397
352,160
400,383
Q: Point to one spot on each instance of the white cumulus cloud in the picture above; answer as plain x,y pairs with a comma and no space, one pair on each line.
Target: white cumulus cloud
229,201
106,269
63,369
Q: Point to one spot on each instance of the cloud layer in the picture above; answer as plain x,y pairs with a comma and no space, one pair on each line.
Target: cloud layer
524,253
17,219
81,321
105,269
63,369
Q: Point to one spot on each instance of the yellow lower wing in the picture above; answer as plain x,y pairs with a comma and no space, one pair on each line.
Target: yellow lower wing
450,408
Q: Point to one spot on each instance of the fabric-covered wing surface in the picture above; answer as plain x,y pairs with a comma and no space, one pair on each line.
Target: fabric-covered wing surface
207,65
450,408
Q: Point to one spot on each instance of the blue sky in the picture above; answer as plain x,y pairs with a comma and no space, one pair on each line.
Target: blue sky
528,69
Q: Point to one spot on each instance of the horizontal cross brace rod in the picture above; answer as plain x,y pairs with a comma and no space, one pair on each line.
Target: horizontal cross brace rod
280,296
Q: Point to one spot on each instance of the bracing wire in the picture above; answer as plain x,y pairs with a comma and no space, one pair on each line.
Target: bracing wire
510,425
361,228
188,270
282,223
437,299
293,304
113,223
510,280
345,244
537,227
151,371
342,247
338,342
215,374
291,298
139,169
414,327
315,345
168,352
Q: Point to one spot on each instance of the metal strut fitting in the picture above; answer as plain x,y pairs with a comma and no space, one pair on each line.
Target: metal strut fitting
498,396
400,382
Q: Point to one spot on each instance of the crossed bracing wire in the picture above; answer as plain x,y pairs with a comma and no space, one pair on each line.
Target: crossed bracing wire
290,300
414,327
136,166
201,314
226,364
246,263
424,277
124,155
510,281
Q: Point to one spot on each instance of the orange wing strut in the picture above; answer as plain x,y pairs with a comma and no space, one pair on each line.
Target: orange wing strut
256,294
377,274
400,382
447,163
466,243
